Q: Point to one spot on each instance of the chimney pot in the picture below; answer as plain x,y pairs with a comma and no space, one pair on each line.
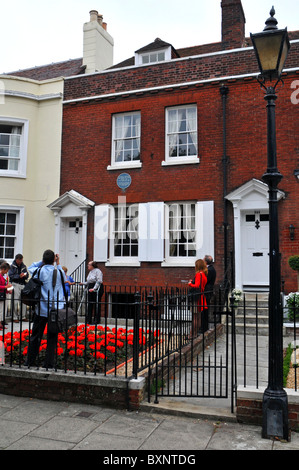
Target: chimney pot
93,15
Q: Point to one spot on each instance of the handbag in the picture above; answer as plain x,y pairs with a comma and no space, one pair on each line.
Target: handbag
31,293
63,318
195,291
2,295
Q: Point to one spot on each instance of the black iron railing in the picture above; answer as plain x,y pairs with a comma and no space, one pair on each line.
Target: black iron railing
129,329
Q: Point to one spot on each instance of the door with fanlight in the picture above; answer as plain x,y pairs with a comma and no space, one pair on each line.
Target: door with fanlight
73,244
255,249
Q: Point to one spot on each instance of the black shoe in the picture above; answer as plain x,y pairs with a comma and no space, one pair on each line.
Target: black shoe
48,366
29,364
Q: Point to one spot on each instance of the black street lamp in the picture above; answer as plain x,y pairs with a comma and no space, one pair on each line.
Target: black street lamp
271,47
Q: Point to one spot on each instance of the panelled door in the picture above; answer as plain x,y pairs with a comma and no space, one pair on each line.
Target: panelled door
72,244
255,249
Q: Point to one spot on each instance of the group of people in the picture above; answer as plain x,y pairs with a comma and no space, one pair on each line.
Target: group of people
16,275
201,291
12,277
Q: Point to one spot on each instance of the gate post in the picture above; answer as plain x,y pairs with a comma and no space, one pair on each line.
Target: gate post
233,354
136,334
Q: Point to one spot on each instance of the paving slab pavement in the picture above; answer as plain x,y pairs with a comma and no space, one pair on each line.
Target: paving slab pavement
184,425
32,424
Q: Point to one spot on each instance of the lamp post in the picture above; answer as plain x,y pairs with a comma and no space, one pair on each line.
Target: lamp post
271,47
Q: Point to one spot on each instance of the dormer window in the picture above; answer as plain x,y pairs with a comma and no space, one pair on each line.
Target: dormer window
152,57
157,51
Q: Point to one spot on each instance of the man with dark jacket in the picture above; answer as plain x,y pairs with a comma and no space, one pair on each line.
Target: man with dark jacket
209,285
18,275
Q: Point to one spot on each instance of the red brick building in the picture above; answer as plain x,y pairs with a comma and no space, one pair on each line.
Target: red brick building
163,157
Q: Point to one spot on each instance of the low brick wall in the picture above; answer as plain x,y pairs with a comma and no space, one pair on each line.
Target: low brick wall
115,392
249,406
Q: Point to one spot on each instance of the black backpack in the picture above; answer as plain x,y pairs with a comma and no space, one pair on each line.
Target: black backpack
31,293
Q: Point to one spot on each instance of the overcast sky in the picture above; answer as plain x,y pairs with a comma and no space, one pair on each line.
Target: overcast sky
35,32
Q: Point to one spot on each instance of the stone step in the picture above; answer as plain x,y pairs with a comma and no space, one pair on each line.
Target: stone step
251,319
255,306
250,329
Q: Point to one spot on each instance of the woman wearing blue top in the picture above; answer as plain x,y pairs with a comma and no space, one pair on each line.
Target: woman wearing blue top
46,268
69,281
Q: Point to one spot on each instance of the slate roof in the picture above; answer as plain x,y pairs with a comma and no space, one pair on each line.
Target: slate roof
72,67
66,68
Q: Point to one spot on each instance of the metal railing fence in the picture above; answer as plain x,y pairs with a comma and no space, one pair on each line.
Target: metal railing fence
120,334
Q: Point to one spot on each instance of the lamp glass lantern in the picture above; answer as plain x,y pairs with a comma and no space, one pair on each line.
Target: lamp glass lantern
271,48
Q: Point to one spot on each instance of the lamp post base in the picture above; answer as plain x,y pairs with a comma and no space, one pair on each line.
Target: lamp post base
275,415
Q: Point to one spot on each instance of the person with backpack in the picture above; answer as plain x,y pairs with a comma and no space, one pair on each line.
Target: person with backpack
49,297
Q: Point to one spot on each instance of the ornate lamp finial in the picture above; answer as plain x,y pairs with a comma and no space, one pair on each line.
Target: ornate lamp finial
271,21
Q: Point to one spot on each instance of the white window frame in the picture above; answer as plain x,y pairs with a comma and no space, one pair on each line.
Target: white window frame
179,160
153,56
21,171
204,234
123,260
19,211
118,165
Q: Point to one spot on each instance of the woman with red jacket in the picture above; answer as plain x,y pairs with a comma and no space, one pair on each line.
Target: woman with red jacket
197,286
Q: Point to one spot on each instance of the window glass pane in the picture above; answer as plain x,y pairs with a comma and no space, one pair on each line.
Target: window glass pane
11,218
4,151
9,253
4,139
126,231
127,137
8,232
3,164
10,142
182,234
182,132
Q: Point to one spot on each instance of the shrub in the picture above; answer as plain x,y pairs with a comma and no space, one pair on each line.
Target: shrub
294,262
292,301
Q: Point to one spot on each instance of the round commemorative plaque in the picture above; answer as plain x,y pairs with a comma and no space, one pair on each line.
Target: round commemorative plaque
123,180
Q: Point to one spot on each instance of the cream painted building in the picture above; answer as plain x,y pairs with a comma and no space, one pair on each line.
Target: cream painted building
33,214
30,149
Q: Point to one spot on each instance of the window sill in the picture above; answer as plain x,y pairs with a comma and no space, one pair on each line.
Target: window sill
123,263
124,166
178,263
12,175
180,161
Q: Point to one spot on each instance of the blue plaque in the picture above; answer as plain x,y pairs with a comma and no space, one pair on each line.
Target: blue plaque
124,180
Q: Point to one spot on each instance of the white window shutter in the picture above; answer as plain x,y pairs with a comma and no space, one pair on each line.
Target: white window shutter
205,228
101,227
151,232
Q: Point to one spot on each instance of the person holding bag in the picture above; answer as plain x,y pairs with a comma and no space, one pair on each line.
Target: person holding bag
94,286
199,303
4,267
48,293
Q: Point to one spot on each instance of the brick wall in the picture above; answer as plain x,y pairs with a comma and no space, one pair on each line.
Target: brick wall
86,153
181,71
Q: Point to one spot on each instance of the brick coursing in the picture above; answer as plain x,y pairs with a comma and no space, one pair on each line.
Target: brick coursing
86,153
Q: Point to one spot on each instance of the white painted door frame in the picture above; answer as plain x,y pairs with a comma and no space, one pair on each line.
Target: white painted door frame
251,196
70,205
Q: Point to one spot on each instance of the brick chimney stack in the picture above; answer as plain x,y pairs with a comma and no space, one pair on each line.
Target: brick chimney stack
233,24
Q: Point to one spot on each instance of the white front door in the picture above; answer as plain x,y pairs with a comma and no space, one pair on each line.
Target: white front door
73,244
255,248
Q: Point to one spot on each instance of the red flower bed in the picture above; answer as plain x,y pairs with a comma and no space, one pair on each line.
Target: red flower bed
86,347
